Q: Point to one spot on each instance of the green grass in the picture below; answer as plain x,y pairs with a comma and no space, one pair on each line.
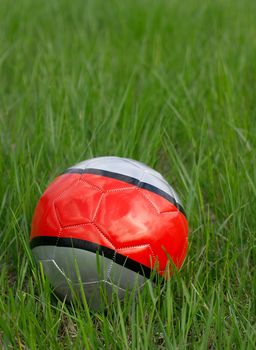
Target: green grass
171,84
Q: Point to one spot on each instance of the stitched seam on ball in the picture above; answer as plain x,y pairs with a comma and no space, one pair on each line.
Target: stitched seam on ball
133,164
119,189
134,246
82,179
77,225
139,246
98,207
149,201
111,265
139,189
57,216
104,235
102,280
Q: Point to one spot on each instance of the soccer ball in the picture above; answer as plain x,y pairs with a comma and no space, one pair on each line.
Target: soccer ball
110,221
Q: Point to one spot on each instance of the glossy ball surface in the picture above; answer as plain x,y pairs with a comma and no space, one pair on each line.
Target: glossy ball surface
109,212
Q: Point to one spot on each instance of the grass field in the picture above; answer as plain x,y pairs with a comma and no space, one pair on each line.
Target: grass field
171,84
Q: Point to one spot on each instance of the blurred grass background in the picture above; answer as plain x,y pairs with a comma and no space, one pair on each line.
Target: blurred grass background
171,84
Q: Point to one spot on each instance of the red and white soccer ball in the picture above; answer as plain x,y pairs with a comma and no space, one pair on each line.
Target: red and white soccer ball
109,211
